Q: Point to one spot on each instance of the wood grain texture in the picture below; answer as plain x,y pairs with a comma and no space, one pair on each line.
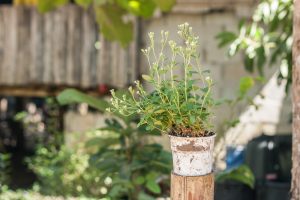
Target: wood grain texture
1,47
37,48
295,189
58,49
192,187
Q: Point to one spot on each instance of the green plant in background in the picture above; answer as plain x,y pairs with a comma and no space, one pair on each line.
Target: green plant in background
179,106
7,194
65,172
135,167
127,164
266,40
4,169
110,14
242,174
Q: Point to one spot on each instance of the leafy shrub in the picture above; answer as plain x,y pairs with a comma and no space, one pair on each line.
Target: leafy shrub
65,172
242,174
116,163
134,168
4,168
265,40
7,194
179,106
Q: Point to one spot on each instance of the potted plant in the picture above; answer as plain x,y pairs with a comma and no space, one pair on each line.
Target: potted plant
179,106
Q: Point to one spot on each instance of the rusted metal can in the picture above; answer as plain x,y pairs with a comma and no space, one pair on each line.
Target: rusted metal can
192,156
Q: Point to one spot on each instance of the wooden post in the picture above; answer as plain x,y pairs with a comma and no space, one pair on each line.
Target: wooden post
192,187
296,104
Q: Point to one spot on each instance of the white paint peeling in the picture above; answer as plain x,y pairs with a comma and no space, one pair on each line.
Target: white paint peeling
192,156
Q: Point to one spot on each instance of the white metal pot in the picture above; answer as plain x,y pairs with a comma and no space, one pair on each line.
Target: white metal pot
192,156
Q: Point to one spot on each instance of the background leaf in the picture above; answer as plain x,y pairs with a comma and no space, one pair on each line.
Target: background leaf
165,5
48,5
112,26
241,174
84,3
69,96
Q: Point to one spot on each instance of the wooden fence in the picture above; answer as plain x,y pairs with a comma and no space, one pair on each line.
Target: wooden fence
61,47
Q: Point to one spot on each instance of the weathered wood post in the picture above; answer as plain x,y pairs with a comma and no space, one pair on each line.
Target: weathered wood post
192,177
296,104
192,187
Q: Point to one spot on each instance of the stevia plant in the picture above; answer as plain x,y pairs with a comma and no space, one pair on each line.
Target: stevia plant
178,105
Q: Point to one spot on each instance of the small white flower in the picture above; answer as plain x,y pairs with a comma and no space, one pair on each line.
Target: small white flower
208,79
107,181
151,35
103,190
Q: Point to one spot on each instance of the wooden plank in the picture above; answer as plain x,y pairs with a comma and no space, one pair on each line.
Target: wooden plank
59,39
74,31
192,187
41,91
89,37
58,48
124,66
48,48
23,56
115,67
103,62
2,70
198,6
37,47
132,68
10,44
295,189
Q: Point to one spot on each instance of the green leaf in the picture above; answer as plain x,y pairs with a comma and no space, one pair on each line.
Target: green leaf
143,8
48,5
84,3
165,5
139,180
70,96
112,26
261,59
147,77
246,83
225,38
102,142
192,119
20,116
144,196
249,62
116,190
108,164
100,2
153,186
241,174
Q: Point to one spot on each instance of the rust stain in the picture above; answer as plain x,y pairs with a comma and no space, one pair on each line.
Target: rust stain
190,147
190,196
201,197
194,197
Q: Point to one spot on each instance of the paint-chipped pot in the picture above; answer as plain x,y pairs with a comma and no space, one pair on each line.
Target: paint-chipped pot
192,156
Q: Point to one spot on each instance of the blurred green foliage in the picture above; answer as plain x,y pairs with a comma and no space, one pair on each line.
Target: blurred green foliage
65,172
33,194
4,168
242,174
111,14
266,40
116,162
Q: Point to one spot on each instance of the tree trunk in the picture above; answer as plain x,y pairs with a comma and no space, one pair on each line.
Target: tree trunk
192,187
296,104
